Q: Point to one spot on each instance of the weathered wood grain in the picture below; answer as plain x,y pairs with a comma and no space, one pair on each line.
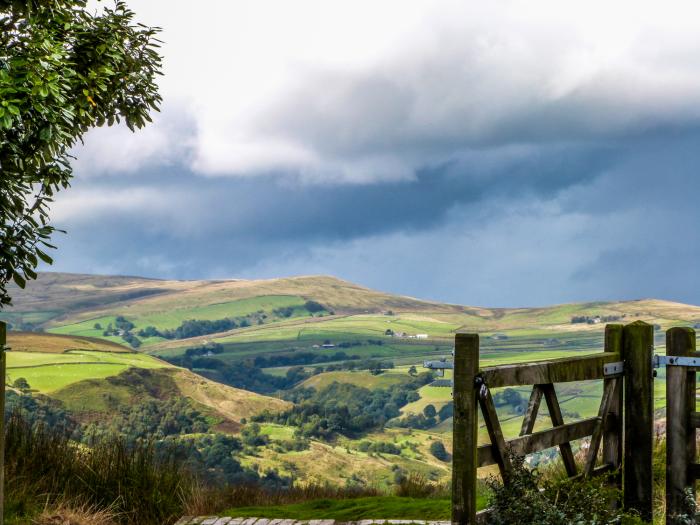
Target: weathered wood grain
596,438
541,440
562,370
533,407
612,434
464,429
637,351
681,422
3,375
493,427
567,455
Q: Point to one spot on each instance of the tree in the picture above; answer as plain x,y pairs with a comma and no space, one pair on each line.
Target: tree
446,411
63,70
21,384
437,449
412,371
429,411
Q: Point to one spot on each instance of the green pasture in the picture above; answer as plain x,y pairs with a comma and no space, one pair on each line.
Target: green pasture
362,378
49,372
170,319
277,432
378,507
361,326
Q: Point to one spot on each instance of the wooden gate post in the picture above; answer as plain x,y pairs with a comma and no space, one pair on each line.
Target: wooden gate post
612,435
464,429
637,351
680,429
3,367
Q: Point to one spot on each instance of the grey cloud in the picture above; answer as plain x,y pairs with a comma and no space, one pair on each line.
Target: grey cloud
450,98
541,225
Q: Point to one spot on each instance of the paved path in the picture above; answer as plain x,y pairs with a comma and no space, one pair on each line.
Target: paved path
216,520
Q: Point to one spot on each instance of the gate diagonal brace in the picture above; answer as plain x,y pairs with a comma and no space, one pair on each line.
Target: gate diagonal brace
671,360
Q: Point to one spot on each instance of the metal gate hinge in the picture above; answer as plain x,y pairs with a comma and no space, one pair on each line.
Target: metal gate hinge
612,369
658,361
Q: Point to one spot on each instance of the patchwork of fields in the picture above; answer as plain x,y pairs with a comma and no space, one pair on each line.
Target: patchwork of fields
346,332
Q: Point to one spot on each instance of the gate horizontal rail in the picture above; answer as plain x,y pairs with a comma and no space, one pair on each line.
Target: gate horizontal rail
626,369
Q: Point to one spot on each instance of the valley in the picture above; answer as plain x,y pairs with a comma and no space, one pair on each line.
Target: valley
283,366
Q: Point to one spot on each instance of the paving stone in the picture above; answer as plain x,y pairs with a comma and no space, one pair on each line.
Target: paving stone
249,521
263,521
287,522
276,521
236,521
226,520
209,520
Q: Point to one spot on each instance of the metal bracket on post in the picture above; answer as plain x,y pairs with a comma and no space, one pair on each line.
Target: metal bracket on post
613,369
658,361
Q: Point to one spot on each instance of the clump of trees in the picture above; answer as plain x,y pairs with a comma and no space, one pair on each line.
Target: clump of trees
379,447
512,399
346,409
437,449
313,307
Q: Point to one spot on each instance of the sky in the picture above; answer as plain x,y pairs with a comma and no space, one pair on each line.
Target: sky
504,153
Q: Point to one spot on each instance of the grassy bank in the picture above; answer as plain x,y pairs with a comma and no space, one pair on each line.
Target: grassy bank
377,507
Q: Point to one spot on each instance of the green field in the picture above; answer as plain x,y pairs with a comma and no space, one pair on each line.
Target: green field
359,378
165,320
47,372
380,507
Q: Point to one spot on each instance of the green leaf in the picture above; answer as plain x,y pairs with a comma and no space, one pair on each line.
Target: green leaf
19,280
44,257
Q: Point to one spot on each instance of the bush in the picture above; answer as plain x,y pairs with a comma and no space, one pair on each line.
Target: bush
314,307
437,449
585,502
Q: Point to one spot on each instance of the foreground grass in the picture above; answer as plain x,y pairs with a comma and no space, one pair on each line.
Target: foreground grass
376,507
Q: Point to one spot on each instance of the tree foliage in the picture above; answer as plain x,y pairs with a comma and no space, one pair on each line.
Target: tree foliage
63,70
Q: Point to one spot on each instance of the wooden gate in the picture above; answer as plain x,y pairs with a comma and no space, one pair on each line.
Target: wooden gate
682,468
632,344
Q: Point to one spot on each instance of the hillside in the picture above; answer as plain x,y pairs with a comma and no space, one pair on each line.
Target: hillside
94,378
233,350
273,315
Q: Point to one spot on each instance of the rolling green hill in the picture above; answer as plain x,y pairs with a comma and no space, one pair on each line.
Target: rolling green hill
271,316
291,335
94,378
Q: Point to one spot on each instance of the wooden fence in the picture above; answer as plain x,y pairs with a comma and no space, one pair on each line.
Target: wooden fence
682,468
626,368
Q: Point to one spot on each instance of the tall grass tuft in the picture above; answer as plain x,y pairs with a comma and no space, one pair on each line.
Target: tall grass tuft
416,485
137,485
205,500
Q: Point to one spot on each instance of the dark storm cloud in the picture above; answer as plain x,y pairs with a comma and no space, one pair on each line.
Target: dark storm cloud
527,226
282,209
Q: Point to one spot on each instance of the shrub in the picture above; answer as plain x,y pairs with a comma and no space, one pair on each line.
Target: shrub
437,449
583,502
313,307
